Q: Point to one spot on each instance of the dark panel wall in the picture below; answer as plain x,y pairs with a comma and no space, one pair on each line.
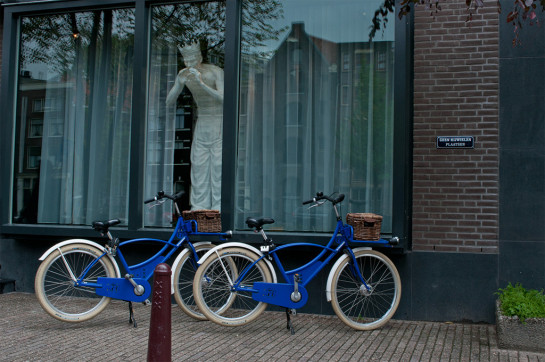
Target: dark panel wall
435,286
19,261
522,155
452,286
1,37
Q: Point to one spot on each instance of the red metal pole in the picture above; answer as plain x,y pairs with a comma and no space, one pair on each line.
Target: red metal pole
160,339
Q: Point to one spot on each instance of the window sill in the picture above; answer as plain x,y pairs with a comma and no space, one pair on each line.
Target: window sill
34,231
62,232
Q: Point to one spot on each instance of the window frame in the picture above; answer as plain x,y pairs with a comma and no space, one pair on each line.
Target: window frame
14,11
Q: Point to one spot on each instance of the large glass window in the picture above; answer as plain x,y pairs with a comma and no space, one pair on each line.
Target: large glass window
315,112
185,106
73,117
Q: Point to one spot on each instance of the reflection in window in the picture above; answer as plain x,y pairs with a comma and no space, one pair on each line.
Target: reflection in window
185,117
38,105
36,127
346,61
77,70
315,115
381,61
34,154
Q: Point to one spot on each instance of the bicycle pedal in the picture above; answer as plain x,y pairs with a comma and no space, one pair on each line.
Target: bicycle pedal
293,311
146,302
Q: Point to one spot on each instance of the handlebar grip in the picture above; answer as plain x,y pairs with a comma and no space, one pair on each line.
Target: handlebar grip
159,196
319,196
178,196
338,199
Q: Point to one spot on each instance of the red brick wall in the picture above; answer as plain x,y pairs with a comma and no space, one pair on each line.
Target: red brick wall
456,87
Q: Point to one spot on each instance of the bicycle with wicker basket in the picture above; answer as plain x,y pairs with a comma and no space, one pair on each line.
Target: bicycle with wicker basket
78,277
363,286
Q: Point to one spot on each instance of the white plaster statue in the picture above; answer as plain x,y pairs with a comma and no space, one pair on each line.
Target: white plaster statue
205,82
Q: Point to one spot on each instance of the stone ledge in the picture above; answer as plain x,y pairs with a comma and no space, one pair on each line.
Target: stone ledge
513,334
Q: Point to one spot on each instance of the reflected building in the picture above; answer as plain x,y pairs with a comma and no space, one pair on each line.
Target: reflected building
318,104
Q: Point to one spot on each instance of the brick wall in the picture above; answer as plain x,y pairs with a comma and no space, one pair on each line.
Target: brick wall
456,87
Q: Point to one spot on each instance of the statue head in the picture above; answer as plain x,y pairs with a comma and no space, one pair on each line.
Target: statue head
191,54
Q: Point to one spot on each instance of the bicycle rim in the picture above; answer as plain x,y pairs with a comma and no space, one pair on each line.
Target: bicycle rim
366,307
212,287
57,292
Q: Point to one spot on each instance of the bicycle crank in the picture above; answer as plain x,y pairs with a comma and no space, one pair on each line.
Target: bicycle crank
295,295
138,289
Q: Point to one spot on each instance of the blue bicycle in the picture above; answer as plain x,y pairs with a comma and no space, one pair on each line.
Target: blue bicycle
364,286
77,278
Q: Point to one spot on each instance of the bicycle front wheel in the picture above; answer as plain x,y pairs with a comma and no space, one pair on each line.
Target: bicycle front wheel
213,286
55,287
183,282
370,305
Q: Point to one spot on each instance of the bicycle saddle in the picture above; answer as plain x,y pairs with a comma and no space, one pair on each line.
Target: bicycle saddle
103,226
258,223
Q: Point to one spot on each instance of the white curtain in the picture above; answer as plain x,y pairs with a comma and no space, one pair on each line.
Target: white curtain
160,136
86,134
315,116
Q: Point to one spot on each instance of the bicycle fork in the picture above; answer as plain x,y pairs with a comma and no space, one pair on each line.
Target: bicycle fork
72,276
365,289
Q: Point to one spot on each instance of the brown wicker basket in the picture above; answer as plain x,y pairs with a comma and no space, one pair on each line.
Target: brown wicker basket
366,225
208,221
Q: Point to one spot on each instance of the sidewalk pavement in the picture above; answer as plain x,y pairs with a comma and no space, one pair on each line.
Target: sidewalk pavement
27,333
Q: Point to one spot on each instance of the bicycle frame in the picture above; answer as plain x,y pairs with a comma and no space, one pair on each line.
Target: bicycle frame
122,288
298,278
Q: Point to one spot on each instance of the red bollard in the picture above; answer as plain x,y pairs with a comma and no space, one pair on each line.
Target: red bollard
160,339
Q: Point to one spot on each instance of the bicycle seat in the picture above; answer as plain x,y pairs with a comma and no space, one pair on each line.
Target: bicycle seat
102,226
258,223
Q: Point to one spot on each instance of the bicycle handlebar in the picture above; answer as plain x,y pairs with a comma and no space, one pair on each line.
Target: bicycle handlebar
161,194
321,196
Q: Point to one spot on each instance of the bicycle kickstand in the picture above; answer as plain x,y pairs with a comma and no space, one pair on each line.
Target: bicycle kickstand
290,325
131,316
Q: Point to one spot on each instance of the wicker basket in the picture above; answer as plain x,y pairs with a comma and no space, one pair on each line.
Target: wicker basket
366,225
208,221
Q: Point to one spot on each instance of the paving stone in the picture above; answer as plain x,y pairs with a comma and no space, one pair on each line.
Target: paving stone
27,333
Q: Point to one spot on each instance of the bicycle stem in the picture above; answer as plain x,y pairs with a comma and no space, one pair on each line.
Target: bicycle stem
337,212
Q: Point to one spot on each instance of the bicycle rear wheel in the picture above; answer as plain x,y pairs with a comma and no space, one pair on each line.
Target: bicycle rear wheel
212,286
360,307
56,290
183,282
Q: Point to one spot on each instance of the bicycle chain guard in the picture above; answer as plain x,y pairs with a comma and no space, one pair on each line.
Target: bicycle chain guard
122,289
279,294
